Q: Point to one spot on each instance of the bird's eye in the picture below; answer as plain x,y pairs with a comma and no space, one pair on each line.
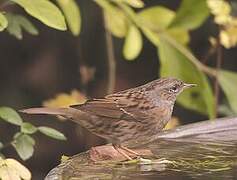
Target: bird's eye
173,89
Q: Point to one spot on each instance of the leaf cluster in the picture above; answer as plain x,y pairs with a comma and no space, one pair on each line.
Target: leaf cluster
61,15
168,31
23,141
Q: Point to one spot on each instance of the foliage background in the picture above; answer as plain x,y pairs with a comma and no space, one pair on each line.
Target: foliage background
39,67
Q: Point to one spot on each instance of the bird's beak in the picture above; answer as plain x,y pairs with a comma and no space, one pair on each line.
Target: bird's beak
189,85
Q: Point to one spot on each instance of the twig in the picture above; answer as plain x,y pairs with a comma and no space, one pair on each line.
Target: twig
210,71
111,58
84,86
212,50
201,66
216,84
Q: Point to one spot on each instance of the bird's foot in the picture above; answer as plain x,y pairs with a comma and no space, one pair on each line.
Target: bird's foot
130,151
108,152
120,150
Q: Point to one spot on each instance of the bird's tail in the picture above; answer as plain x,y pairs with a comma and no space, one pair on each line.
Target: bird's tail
65,112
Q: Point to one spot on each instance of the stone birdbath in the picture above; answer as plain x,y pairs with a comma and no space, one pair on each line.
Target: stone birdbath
204,150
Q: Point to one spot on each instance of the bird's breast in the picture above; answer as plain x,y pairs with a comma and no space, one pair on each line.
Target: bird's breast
160,116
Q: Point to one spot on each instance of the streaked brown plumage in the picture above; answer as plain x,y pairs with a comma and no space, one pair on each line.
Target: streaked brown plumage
128,116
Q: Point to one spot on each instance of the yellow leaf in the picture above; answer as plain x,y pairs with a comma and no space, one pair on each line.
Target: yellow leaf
3,22
65,100
115,18
174,122
179,34
156,18
45,11
72,14
64,158
228,37
11,169
221,10
116,22
135,3
133,43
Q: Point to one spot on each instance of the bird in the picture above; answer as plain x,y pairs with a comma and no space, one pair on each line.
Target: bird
126,117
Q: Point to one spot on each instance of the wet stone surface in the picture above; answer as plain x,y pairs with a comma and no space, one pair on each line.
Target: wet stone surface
206,150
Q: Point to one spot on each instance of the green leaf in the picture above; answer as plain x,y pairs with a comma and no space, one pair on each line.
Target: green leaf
24,145
179,35
26,25
156,20
191,14
134,3
72,14
17,135
133,43
28,128
3,22
13,27
19,22
116,21
51,133
45,11
175,63
227,80
10,115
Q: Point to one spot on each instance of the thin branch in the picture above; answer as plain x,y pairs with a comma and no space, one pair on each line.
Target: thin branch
131,14
212,50
210,71
111,58
216,84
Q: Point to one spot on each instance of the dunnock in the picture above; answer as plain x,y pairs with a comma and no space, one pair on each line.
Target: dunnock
128,116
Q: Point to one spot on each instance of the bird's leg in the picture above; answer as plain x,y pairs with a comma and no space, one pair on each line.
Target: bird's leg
120,150
129,150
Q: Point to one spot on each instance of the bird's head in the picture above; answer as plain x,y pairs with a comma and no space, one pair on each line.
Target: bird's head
167,89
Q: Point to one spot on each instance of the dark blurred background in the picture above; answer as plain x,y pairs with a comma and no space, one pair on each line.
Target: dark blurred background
39,67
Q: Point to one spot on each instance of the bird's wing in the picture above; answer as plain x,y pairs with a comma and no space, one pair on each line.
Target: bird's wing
114,108
100,107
